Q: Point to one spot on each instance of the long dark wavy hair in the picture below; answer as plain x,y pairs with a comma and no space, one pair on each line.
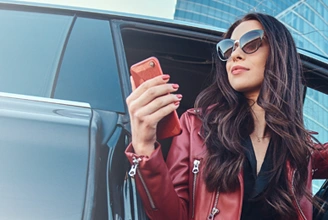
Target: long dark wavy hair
227,119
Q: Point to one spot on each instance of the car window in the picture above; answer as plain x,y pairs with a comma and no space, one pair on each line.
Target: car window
89,70
30,48
315,119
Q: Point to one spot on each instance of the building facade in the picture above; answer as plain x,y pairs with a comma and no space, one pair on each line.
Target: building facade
307,20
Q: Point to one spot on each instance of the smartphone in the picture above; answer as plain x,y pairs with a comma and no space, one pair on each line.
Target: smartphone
169,126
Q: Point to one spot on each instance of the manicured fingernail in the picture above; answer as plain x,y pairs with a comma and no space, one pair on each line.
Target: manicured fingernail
179,96
165,77
175,86
177,103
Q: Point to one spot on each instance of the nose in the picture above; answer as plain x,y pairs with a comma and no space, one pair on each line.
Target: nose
237,52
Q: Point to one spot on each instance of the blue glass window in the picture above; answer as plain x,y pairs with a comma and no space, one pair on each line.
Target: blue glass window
89,70
31,45
315,119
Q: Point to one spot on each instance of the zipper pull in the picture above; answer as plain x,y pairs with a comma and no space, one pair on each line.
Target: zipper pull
213,213
133,169
196,166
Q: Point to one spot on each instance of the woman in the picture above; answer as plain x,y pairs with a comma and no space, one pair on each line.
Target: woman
243,152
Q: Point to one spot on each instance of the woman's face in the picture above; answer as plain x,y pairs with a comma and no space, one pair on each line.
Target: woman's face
246,71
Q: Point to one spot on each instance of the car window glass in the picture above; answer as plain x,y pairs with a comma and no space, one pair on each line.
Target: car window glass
89,70
316,119
31,44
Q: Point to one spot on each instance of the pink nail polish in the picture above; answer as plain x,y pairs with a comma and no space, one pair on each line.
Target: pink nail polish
179,96
165,77
175,86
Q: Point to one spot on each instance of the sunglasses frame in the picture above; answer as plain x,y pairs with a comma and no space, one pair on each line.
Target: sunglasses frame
221,56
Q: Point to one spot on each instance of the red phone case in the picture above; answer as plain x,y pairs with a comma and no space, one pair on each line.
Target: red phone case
169,126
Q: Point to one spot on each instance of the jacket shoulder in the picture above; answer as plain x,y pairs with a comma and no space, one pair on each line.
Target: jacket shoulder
193,111
191,120
320,161
191,115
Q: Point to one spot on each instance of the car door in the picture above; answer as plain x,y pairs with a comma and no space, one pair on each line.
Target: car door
59,78
315,108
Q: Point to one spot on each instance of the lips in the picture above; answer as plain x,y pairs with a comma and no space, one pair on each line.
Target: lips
238,69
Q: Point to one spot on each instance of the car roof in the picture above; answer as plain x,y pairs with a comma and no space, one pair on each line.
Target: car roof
136,18
115,14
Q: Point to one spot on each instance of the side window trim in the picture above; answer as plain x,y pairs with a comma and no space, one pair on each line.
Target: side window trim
62,57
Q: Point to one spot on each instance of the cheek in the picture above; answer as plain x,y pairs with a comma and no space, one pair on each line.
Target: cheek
228,75
261,69
263,59
258,74
261,77
258,65
228,67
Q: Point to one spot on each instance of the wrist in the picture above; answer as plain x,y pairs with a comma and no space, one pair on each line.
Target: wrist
143,149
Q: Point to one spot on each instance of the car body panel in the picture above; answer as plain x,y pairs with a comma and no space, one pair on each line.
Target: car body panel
44,159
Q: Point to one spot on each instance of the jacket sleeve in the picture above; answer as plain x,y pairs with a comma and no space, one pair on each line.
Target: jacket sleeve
164,188
320,161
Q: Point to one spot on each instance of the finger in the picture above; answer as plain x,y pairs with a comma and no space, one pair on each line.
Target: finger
150,95
151,120
164,111
158,80
161,102
133,85
142,113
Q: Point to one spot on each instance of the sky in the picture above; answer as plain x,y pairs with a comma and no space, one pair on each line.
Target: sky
156,8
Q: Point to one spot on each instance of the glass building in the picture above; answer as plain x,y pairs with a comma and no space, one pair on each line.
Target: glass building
307,20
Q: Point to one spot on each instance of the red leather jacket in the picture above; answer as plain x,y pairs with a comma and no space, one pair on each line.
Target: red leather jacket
176,190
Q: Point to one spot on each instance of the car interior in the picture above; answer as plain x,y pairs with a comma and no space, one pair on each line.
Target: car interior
190,61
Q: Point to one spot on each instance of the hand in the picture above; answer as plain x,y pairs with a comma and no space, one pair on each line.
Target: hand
147,105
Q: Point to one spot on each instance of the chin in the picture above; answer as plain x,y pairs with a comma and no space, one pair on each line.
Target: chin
251,93
246,87
240,88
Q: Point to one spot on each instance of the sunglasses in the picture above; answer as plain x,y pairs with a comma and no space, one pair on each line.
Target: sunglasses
249,43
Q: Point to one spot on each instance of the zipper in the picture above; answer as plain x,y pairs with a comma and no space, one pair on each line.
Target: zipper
134,166
215,210
297,203
195,171
133,171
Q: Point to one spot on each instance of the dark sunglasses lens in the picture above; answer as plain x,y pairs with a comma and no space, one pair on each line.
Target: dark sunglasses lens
224,49
251,42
